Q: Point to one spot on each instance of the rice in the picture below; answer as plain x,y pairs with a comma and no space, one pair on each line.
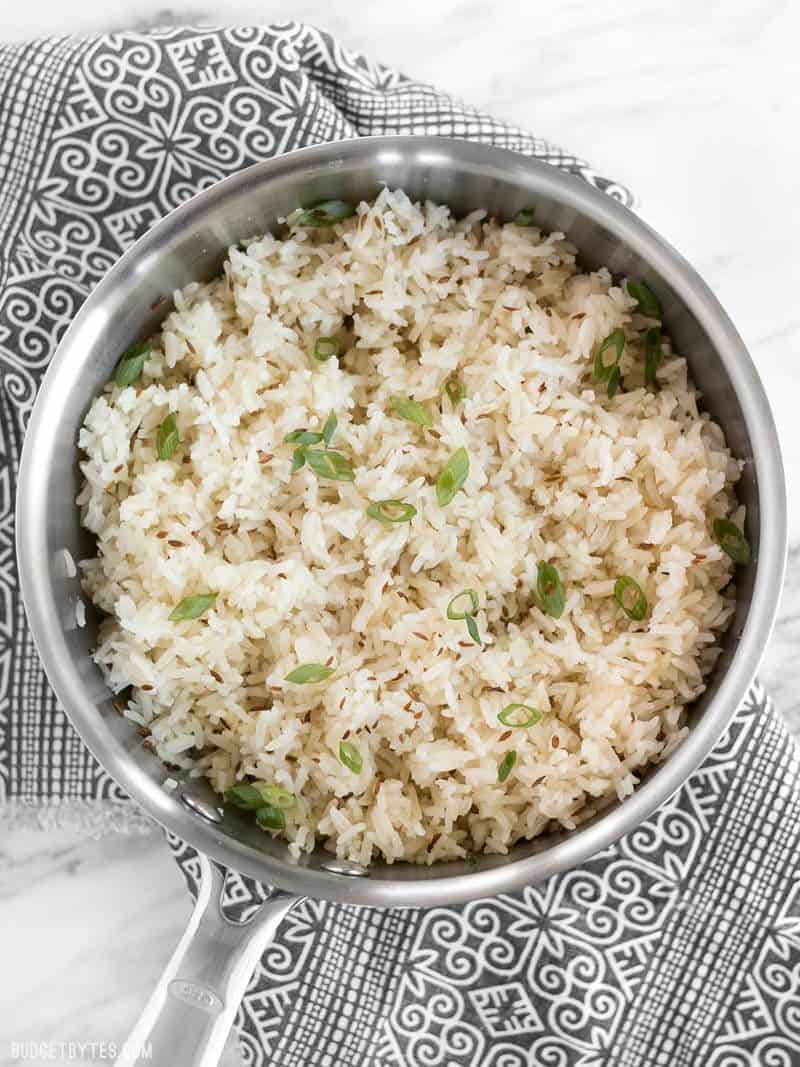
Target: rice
558,472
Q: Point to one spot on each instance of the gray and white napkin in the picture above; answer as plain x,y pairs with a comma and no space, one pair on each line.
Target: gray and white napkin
678,947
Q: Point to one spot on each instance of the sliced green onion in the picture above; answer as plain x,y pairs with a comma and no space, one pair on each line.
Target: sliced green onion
630,597
646,299
472,630
270,818
602,370
303,437
411,410
506,765
470,858
391,511
519,716
452,477
350,756
326,463
732,541
455,390
464,605
192,607
130,364
652,355
244,796
551,590
309,674
167,438
254,795
614,382
276,796
454,608
326,213
326,347
524,217
298,459
329,429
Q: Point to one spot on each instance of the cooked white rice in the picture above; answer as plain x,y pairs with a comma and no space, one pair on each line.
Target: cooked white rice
557,472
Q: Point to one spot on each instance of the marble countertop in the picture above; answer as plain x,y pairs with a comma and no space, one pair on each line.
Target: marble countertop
696,108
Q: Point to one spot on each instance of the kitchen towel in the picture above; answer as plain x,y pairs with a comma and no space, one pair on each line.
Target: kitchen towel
680,945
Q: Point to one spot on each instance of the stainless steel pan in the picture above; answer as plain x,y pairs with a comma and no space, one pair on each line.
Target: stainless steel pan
189,1015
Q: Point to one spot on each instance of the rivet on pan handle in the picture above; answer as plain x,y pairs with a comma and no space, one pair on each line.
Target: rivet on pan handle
200,806
345,867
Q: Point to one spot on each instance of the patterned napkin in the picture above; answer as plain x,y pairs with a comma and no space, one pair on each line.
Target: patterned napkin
678,947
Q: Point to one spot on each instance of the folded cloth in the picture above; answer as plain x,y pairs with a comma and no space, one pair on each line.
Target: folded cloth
100,137
679,946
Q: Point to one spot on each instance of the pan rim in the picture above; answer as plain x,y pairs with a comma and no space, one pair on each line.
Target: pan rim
502,874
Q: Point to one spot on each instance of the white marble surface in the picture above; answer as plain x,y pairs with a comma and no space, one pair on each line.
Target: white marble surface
696,107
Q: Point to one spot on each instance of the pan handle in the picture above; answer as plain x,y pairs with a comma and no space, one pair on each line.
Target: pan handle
187,1019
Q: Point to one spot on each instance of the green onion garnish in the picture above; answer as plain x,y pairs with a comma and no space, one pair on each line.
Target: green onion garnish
326,463
506,765
390,511
270,818
454,607
130,364
411,410
614,382
524,217
254,795
470,858
326,347
519,716
350,756
458,609
329,429
646,299
472,630
732,541
276,796
309,674
244,796
652,355
192,607
303,437
298,459
630,598
326,213
551,590
603,371
452,477
455,390
167,439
